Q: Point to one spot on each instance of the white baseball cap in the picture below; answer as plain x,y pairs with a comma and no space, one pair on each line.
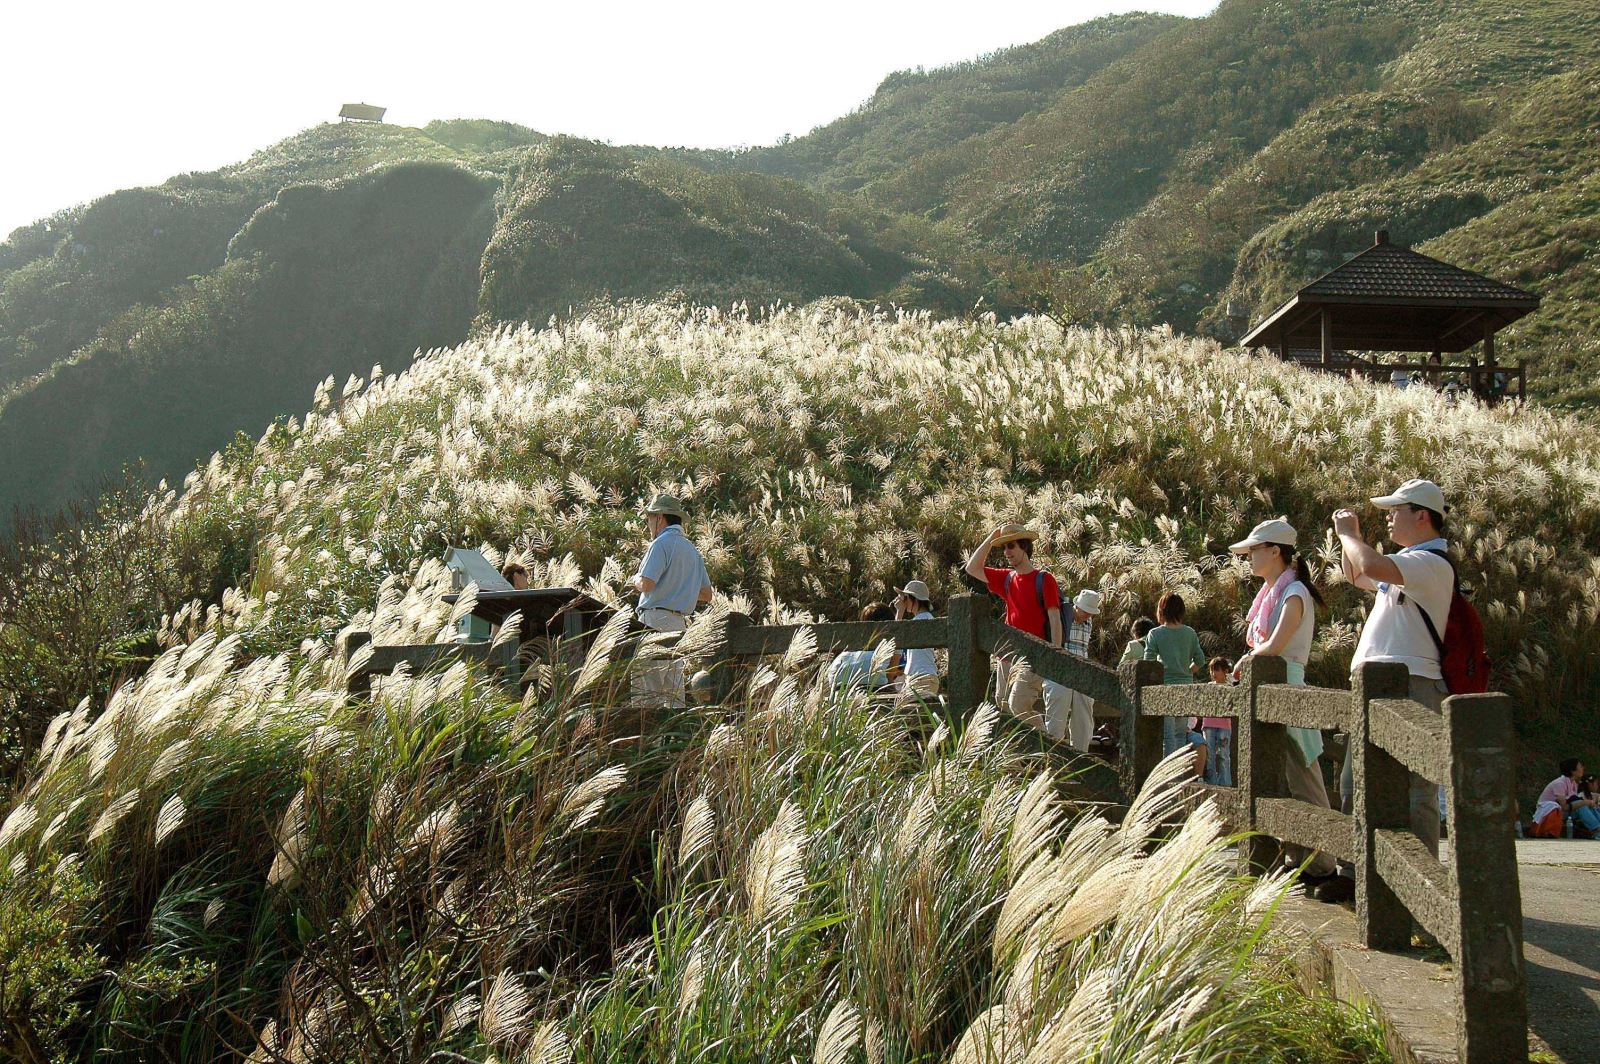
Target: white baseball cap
1423,493
1088,601
1276,531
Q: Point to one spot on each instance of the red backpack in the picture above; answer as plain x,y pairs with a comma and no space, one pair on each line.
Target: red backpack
1463,661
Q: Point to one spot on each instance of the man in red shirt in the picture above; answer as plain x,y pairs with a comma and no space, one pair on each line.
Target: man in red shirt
1033,605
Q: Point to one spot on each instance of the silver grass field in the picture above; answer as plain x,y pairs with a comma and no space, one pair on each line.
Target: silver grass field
233,860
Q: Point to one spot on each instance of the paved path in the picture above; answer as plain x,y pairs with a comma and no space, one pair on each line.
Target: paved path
1560,881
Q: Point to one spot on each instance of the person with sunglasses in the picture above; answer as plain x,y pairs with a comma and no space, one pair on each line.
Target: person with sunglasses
1033,605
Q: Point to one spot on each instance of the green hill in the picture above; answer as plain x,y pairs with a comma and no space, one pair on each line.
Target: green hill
154,324
1239,155
1138,168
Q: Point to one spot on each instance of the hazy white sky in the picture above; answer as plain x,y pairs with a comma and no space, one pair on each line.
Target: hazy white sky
102,96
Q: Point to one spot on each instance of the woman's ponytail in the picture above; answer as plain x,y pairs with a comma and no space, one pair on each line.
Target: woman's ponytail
1302,572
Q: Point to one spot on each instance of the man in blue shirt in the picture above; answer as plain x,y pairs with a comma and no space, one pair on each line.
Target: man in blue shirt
672,583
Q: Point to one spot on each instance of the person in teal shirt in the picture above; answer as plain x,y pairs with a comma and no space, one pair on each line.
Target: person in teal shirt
1177,647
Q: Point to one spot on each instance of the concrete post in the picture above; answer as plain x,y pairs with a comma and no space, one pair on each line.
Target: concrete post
346,645
969,665
1382,793
1259,749
1139,737
723,665
1491,980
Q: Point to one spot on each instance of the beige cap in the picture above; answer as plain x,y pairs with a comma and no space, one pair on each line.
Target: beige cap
1423,493
1010,533
1088,601
1277,531
666,504
917,590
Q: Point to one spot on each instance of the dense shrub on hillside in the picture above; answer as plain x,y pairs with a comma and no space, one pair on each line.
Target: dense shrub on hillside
322,280
125,249
585,221
917,114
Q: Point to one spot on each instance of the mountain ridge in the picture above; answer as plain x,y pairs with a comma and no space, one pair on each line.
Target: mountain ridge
1138,168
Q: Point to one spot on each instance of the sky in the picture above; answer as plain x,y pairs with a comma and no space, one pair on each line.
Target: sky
95,97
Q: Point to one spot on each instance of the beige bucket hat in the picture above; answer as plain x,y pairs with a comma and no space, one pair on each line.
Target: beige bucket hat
917,590
1088,601
666,504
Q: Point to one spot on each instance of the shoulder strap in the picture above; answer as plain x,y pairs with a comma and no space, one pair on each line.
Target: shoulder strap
1455,590
1038,589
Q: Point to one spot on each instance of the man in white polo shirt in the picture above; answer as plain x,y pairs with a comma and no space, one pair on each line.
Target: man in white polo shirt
1407,582
671,582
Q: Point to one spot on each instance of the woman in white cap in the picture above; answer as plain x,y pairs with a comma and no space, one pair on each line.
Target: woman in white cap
921,677
1281,623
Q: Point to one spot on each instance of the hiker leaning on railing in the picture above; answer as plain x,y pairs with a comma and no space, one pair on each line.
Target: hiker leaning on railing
1281,623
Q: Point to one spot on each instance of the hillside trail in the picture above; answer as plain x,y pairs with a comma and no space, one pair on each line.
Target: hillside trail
1560,880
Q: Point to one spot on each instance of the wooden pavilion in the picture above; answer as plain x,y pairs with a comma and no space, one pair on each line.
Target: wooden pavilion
1392,299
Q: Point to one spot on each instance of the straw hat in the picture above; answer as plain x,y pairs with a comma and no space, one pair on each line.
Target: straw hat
1010,533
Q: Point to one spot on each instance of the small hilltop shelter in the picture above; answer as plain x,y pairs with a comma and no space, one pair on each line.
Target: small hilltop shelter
361,112
1389,298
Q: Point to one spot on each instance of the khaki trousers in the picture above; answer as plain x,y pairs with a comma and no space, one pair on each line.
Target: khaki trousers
1017,689
1424,793
1305,783
657,683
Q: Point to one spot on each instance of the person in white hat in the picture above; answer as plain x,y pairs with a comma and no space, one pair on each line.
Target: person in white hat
1281,623
921,677
1069,712
1415,582
1033,605
672,582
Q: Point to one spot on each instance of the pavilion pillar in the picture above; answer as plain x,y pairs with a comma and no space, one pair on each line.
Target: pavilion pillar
1327,338
1488,348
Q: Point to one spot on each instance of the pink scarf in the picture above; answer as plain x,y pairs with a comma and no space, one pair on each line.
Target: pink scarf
1264,607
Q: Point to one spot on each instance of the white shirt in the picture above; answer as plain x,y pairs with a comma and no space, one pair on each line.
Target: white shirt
1299,648
921,662
1394,630
853,668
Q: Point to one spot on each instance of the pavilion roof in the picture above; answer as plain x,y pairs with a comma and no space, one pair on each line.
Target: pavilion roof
1390,298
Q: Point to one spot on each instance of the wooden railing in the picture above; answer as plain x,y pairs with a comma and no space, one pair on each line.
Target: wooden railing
1470,904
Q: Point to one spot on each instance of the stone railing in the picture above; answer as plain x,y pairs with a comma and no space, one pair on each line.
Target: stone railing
1471,903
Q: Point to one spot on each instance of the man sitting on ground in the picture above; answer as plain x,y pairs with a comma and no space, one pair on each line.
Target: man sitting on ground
855,668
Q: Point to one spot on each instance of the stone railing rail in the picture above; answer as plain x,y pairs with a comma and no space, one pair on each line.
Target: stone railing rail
1471,904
